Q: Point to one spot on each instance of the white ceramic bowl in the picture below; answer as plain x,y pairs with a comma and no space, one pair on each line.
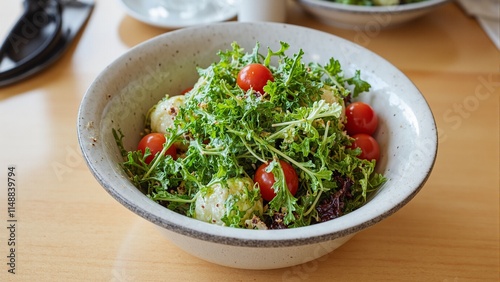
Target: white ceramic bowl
122,94
369,18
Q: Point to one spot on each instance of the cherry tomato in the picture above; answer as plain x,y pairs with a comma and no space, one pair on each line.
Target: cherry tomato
266,180
155,141
369,146
254,76
361,118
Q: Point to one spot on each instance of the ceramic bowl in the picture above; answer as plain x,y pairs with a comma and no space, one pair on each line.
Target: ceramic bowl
370,18
122,93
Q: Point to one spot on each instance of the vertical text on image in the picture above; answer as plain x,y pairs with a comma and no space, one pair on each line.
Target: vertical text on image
11,224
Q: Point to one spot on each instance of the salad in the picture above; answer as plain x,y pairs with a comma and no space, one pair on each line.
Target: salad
259,145
375,2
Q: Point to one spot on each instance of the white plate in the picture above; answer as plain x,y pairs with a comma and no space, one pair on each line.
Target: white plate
154,13
367,17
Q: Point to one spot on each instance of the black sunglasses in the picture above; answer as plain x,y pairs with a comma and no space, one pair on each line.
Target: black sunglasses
41,35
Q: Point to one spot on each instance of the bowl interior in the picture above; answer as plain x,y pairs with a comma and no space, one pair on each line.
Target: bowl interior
121,95
367,18
373,9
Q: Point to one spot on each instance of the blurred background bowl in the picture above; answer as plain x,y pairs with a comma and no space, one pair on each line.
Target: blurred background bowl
366,17
122,94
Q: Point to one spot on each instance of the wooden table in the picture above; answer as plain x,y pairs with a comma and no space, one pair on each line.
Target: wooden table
69,229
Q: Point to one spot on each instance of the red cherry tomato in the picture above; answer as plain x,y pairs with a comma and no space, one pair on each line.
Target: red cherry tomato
370,149
155,141
254,76
361,118
266,180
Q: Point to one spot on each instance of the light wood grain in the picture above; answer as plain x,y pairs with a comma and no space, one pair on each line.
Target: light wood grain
70,229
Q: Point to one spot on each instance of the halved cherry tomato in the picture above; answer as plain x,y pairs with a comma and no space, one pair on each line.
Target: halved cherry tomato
155,141
361,118
266,180
370,149
254,76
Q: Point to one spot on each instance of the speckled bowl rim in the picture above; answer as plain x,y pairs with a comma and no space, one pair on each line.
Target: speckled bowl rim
355,9
349,224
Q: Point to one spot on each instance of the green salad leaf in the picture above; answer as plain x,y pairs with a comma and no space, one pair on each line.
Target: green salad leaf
224,133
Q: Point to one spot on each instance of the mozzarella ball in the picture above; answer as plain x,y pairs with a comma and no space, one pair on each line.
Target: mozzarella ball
230,203
163,114
331,96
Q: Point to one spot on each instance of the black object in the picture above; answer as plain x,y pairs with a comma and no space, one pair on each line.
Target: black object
41,36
